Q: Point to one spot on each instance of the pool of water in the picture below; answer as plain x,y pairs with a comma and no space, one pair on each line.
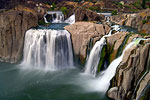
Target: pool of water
19,83
54,26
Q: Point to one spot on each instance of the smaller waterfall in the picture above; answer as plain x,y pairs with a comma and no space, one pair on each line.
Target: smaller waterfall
58,17
71,19
54,17
94,57
93,60
45,20
104,79
48,48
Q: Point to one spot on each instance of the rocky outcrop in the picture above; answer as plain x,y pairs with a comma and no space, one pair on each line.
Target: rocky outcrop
141,20
87,15
13,25
82,33
132,76
113,44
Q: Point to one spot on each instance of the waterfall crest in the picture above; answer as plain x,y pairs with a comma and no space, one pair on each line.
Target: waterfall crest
49,48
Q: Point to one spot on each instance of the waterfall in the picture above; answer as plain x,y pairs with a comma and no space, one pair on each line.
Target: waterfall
51,49
58,17
54,17
94,57
45,20
71,19
104,79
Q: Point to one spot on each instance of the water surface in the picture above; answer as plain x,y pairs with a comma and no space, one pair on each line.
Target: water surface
18,83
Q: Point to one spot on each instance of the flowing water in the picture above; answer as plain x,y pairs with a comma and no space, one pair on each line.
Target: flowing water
92,62
102,82
17,83
48,48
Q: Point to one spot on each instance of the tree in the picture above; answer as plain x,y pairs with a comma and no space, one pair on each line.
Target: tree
144,4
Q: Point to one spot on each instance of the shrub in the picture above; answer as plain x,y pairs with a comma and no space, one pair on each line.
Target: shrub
94,8
114,12
53,6
144,21
148,17
64,10
137,4
43,23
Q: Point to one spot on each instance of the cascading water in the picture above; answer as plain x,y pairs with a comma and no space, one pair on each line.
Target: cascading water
49,48
102,82
55,16
94,57
58,17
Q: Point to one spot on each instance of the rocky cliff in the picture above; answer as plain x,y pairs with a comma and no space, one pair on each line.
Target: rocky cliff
132,77
140,20
82,33
13,25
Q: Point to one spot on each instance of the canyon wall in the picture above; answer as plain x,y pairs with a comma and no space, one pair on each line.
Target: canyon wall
13,25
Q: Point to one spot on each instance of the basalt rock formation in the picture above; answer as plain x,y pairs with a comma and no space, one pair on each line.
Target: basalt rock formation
141,20
82,33
14,24
132,79
87,15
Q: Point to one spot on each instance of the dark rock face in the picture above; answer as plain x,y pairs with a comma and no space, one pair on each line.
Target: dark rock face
132,77
12,30
87,15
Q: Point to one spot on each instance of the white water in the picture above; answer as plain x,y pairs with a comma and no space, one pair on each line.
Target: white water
71,19
51,49
45,19
103,81
58,17
91,65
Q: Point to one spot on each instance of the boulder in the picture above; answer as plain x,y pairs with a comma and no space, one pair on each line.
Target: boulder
82,33
87,15
14,24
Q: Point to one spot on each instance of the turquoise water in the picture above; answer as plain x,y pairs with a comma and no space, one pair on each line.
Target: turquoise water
18,83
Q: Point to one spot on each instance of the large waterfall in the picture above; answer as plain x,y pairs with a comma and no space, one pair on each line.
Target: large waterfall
48,48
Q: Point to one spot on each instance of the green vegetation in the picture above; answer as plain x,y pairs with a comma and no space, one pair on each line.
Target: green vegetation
64,10
137,4
119,4
145,21
53,6
114,12
43,23
144,4
148,17
94,8
102,58
127,6
133,10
